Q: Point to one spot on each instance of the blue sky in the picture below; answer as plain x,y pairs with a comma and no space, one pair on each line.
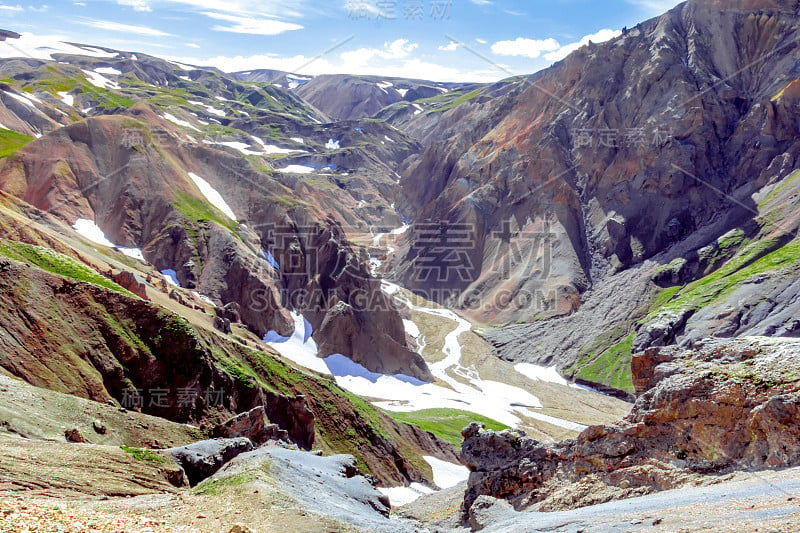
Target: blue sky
409,38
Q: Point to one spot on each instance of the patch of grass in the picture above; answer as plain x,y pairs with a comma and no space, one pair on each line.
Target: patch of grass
215,486
199,210
143,454
56,263
612,366
763,256
445,423
11,141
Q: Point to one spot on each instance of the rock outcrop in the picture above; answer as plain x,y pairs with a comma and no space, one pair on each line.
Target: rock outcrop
724,405
253,425
202,459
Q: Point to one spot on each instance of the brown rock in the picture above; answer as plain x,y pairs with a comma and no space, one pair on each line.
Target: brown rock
74,435
254,425
132,282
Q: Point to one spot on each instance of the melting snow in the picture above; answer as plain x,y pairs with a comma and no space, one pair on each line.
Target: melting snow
418,109
108,70
182,66
27,100
404,495
210,108
300,347
212,195
175,120
171,276
67,98
384,84
91,231
411,328
297,169
204,298
272,149
98,80
136,253
388,138
446,474
541,373
332,144
402,92
298,140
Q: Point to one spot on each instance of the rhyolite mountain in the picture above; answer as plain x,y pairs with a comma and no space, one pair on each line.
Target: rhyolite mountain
640,192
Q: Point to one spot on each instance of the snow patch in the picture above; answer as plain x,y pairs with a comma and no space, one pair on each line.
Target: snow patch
211,194
171,276
135,253
204,298
404,495
418,109
446,474
299,140
300,347
332,144
402,92
91,231
27,100
67,98
175,120
108,70
540,373
297,169
388,138
98,80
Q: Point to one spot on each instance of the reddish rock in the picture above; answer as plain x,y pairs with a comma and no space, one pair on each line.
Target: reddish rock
130,281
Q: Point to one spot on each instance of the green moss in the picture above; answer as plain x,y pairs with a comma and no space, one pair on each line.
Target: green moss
612,366
143,454
767,255
11,141
215,486
445,423
199,210
56,263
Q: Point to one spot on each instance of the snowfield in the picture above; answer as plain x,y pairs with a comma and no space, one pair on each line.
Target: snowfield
175,120
300,347
297,169
212,195
446,474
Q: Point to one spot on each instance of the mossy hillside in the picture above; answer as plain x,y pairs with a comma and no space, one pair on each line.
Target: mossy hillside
56,263
761,257
11,141
448,100
445,423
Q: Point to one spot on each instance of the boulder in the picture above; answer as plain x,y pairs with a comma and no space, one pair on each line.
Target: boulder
254,425
222,324
132,282
201,459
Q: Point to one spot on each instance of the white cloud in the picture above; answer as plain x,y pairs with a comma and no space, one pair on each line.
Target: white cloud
251,25
399,49
11,9
193,45
599,37
480,41
124,28
521,46
137,5
452,46
394,59
481,2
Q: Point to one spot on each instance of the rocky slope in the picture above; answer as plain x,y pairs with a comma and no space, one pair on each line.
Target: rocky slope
658,165
723,406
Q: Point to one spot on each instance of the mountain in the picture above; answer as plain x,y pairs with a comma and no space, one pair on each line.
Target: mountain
618,199
347,97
